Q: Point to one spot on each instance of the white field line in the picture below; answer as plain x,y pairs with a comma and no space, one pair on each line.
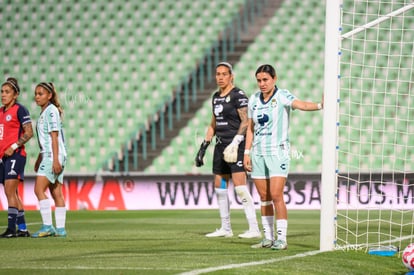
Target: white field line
224,267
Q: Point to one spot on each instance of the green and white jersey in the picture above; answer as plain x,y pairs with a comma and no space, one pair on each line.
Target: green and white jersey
271,121
49,121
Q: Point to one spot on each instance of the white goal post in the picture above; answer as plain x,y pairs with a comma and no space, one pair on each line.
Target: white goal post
367,188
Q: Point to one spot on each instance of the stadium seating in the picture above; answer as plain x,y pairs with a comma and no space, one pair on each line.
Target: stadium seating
113,62
297,54
294,42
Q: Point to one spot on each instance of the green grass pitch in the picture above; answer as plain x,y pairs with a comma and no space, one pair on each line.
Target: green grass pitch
173,242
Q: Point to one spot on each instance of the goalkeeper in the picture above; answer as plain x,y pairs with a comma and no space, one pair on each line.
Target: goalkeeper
229,124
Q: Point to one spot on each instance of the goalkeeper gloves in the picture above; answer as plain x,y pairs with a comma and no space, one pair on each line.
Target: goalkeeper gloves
230,153
201,152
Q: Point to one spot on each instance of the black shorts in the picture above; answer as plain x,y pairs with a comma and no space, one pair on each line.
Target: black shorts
12,167
221,167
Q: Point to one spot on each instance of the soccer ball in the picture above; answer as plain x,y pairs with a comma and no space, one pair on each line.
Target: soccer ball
408,257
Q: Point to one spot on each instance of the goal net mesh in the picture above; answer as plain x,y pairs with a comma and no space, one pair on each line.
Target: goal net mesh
375,195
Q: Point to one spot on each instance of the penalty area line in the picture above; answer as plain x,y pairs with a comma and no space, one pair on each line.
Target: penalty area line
230,266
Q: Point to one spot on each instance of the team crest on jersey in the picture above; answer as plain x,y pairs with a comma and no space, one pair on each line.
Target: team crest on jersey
8,117
228,99
273,103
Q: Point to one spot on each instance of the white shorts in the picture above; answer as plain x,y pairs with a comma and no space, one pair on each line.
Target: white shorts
265,167
45,169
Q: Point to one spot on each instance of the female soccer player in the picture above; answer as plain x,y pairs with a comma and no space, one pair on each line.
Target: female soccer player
228,124
50,162
15,130
267,150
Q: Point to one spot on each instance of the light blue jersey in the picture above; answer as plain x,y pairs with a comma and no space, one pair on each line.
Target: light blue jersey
49,121
271,122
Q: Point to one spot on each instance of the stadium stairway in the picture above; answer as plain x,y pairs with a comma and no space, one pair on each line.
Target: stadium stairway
143,148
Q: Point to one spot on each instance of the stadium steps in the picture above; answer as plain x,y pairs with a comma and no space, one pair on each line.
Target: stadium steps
233,57
298,60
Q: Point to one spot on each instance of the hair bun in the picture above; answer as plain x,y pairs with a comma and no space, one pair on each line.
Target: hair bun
13,81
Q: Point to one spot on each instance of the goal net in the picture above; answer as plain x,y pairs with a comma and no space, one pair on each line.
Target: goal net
375,119
375,177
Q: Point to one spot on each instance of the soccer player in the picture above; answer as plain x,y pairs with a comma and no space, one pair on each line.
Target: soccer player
267,151
50,162
228,124
15,130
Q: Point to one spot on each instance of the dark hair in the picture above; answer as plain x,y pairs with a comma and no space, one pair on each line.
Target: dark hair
54,100
266,68
226,64
13,83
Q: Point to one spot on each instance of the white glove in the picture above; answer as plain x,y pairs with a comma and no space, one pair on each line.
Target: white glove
230,152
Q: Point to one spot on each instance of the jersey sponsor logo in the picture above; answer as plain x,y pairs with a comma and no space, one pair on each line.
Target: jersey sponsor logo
283,166
243,101
218,109
239,163
220,99
262,119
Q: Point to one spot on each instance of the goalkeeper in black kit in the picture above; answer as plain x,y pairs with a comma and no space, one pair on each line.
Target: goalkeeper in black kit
229,124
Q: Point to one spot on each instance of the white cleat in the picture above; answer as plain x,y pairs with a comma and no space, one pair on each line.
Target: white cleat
250,234
220,233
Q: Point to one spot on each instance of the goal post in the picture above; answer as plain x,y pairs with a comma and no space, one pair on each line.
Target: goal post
329,139
367,187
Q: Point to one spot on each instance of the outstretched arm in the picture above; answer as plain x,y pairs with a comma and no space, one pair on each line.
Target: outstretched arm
307,105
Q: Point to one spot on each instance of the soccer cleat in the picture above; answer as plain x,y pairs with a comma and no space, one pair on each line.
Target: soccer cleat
220,233
265,243
250,234
279,245
8,234
22,233
45,231
60,232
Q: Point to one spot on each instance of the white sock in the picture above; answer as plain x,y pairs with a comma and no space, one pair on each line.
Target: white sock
60,217
46,211
268,227
224,208
281,226
248,206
